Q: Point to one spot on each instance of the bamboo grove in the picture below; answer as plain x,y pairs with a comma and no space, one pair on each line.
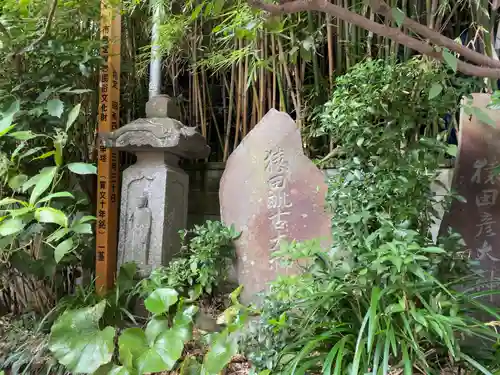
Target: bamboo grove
227,64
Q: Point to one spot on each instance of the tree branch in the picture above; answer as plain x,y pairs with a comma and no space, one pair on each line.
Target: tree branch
48,25
392,33
379,6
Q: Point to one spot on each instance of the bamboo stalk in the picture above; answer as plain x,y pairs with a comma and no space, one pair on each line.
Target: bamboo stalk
262,83
331,63
240,87
244,98
229,112
273,47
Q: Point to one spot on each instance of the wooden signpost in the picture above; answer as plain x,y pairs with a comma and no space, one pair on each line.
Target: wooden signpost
107,166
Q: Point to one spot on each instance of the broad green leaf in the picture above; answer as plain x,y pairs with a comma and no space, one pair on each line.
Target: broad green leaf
120,370
163,356
435,90
16,182
132,343
57,235
452,150
398,16
155,327
55,107
61,194
11,226
183,320
8,117
73,115
21,211
451,60
160,300
23,135
6,130
43,182
51,216
77,342
8,201
82,228
223,348
62,249
86,219
82,168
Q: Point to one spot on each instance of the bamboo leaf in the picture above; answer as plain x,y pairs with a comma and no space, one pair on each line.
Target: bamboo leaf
72,116
398,16
43,182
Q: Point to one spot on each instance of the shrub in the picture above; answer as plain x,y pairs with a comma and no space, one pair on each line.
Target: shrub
385,297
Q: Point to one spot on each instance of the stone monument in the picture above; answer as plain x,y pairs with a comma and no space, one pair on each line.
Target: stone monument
477,218
271,192
154,193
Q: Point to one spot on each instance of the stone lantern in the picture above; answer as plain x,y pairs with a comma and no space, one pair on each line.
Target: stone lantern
154,192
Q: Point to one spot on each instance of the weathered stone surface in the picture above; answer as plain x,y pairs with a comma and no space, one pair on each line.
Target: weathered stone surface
478,219
162,106
154,194
160,134
148,232
271,192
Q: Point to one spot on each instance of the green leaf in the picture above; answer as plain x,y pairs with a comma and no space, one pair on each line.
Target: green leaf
55,107
82,228
73,115
11,226
132,343
16,182
43,181
77,342
86,219
435,90
61,194
452,150
155,327
82,168
482,116
44,155
163,356
433,250
8,117
9,201
450,59
398,16
51,215
160,300
62,249
23,135
223,348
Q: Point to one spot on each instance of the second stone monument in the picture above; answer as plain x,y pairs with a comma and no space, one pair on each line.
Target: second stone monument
154,193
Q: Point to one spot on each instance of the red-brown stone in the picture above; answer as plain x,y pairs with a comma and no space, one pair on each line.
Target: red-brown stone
478,218
248,200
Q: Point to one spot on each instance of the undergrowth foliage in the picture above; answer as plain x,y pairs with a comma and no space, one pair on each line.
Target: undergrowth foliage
385,297
93,334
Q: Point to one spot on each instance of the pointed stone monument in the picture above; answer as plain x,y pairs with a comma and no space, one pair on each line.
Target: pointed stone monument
154,193
271,192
